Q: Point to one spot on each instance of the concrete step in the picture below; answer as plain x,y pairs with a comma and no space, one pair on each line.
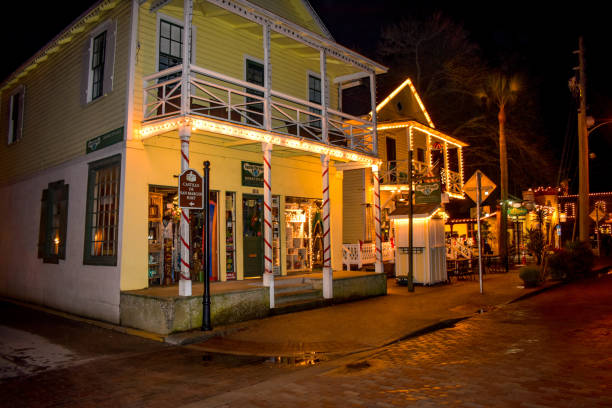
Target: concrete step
288,281
296,295
291,287
299,305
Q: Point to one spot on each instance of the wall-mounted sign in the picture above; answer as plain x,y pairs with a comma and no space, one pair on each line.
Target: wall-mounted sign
252,174
190,190
105,140
427,193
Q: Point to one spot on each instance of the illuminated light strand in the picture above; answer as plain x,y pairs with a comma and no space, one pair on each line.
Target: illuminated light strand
256,135
422,128
397,90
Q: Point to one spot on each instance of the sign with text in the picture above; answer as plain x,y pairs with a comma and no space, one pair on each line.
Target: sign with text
252,174
427,193
105,140
190,190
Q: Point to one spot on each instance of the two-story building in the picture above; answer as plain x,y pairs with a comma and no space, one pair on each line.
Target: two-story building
403,125
100,122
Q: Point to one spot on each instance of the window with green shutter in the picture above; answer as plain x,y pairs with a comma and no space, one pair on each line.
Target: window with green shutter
53,223
102,213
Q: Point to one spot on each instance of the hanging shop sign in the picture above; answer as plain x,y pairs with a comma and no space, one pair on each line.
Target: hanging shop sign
105,140
252,174
427,193
517,213
190,190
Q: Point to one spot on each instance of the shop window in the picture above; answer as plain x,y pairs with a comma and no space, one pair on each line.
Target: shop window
102,213
420,154
230,236
16,102
98,62
304,234
53,223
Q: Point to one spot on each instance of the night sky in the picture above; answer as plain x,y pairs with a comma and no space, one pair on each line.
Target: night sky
542,37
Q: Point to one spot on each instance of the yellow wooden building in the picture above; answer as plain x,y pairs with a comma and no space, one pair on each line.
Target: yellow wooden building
101,121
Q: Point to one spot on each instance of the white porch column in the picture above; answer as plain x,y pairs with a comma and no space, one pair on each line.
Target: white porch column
379,258
374,117
185,278
268,277
185,135
328,285
267,78
185,84
324,94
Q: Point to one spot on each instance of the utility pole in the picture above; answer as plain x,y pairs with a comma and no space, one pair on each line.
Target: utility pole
583,151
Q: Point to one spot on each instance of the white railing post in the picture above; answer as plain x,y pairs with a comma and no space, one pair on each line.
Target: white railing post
328,286
377,230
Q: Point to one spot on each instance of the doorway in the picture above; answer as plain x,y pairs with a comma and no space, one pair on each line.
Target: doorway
253,244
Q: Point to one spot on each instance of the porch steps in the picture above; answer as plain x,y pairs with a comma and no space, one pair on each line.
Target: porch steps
292,295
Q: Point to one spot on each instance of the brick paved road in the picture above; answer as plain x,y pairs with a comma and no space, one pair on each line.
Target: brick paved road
552,350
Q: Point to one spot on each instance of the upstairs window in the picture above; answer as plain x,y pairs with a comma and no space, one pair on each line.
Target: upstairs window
53,223
98,62
170,45
16,103
314,96
254,75
97,65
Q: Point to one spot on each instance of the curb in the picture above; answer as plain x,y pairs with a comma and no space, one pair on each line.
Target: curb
97,323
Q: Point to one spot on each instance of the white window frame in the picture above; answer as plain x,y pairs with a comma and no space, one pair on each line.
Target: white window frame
107,26
19,90
173,20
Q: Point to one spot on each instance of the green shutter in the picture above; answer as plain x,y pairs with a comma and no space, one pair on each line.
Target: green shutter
62,199
42,231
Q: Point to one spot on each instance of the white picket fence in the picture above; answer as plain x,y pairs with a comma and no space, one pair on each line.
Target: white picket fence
363,254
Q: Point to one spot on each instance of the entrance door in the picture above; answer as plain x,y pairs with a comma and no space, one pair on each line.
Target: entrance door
253,245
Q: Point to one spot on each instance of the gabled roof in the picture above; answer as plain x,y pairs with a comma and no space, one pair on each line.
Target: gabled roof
403,103
299,12
418,211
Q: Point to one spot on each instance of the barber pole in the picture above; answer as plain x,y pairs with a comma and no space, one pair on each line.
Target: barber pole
185,275
327,270
379,262
268,278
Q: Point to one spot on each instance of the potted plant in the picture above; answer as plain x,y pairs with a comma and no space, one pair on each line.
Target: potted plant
531,276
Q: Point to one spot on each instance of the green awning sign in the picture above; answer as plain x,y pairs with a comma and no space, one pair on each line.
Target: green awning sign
105,140
252,174
427,193
517,212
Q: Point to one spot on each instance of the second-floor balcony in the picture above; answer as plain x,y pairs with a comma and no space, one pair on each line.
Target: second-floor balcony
236,102
394,174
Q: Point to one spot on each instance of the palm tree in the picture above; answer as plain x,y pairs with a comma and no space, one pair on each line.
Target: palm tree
500,90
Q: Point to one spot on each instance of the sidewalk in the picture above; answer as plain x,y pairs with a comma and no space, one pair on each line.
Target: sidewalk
363,325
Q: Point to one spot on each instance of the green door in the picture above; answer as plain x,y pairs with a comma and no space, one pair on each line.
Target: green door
253,244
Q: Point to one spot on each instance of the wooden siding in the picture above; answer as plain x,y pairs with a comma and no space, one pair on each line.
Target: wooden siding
223,48
353,200
292,10
56,125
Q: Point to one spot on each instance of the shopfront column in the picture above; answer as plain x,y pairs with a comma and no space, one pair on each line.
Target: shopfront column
268,276
185,276
328,292
376,185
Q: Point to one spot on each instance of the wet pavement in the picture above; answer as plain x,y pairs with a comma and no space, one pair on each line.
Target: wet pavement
553,349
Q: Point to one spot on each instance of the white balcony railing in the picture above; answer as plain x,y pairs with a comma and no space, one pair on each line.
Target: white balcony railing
363,254
395,172
222,97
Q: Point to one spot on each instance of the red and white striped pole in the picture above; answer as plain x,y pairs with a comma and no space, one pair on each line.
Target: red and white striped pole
328,287
185,277
268,277
379,259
